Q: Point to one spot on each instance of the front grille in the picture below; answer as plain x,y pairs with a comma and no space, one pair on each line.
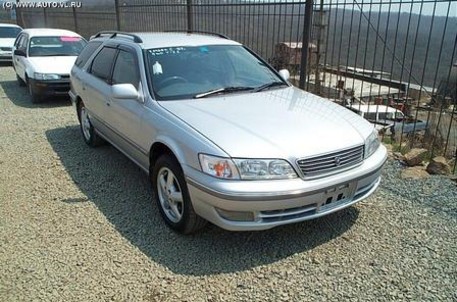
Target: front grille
287,214
6,48
331,162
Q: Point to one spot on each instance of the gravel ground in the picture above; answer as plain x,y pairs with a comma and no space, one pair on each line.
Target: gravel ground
78,224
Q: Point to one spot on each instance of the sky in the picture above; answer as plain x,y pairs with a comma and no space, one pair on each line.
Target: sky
441,6
418,7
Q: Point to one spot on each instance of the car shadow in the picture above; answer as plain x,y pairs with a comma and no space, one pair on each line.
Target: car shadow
20,97
122,192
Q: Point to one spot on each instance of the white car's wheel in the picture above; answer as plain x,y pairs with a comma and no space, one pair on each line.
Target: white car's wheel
20,81
35,98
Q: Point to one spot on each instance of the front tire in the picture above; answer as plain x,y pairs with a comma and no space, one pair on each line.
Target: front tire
35,98
88,132
20,81
172,196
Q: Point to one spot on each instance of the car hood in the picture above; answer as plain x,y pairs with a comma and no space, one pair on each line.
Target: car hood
282,123
58,64
6,42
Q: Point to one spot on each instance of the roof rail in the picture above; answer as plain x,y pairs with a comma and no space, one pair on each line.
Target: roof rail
199,32
114,33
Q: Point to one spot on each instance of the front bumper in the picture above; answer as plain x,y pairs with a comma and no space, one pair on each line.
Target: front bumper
260,205
50,87
6,56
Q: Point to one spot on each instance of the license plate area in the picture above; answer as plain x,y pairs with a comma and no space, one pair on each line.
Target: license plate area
336,196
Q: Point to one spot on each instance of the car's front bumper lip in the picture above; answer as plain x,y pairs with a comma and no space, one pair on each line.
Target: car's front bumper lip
50,87
275,207
6,56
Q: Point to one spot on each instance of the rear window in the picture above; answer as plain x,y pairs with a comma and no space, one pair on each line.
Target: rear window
86,53
102,63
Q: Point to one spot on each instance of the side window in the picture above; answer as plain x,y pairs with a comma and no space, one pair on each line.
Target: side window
101,65
86,53
126,69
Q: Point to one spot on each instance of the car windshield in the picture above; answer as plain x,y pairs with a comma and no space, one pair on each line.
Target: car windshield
9,32
56,46
204,71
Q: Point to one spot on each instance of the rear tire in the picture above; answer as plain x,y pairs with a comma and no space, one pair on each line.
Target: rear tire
172,196
88,132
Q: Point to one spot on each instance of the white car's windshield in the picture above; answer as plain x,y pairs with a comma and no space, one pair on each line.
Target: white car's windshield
9,32
391,115
204,71
56,46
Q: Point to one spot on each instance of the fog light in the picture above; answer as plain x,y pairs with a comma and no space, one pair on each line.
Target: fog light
236,215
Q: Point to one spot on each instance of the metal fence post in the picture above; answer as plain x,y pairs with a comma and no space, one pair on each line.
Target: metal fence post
305,44
45,17
75,19
118,17
190,16
19,17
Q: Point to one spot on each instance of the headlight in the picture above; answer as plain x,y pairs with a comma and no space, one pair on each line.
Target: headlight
249,169
46,76
257,169
371,144
218,166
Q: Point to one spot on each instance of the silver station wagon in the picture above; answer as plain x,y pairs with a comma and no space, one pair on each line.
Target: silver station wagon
223,136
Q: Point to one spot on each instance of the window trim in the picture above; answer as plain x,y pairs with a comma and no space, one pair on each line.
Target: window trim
132,51
95,53
89,69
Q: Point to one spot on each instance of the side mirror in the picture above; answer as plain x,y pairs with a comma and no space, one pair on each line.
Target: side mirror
124,91
19,52
285,74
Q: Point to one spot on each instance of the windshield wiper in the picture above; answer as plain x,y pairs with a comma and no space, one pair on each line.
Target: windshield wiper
269,85
222,91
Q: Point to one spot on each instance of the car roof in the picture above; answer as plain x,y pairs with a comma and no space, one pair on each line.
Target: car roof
44,32
9,25
175,39
374,108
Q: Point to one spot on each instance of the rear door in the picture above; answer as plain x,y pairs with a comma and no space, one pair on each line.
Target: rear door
96,87
79,70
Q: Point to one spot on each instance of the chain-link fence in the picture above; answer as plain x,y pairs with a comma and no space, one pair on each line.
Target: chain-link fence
394,54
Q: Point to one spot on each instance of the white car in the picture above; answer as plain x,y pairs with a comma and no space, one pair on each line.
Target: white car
43,58
8,33
388,120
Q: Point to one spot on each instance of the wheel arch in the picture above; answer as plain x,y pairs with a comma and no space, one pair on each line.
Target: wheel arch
158,149
78,101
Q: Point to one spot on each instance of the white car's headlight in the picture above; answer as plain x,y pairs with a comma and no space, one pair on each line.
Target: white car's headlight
46,76
249,169
372,143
